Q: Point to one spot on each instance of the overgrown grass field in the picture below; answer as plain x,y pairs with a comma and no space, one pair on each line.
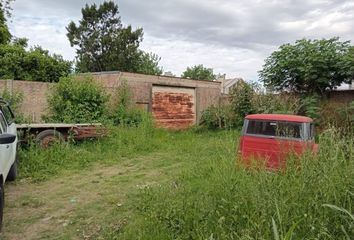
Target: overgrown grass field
189,186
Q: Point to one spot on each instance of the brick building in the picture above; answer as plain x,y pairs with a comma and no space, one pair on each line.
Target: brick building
174,102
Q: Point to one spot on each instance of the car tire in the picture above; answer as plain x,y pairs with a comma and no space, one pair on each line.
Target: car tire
47,137
12,175
2,203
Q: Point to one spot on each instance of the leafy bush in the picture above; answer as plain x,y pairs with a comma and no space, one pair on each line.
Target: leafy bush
77,101
247,98
276,103
219,117
15,99
310,107
241,99
35,64
338,115
124,113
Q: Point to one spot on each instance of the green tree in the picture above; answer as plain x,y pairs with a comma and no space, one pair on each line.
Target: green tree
309,66
241,96
103,44
35,64
18,63
5,35
149,64
199,72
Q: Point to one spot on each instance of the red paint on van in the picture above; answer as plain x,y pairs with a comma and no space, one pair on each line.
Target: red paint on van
269,139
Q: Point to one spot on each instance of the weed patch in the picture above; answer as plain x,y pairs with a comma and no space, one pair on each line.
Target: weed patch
215,199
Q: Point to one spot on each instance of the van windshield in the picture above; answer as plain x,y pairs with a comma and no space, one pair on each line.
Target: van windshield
275,129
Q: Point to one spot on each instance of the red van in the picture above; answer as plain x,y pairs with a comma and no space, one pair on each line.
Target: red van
270,138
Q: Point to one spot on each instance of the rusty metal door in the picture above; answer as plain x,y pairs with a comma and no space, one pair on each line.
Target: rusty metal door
173,107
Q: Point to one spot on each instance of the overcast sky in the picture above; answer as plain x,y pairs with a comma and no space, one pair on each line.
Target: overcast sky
232,37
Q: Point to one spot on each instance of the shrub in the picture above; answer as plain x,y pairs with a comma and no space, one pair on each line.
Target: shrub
124,113
15,99
276,103
219,117
247,98
77,101
338,115
241,99
310,107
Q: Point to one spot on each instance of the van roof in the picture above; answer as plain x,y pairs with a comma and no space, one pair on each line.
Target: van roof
279,117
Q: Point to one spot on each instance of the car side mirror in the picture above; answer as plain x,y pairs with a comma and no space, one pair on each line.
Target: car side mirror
7,138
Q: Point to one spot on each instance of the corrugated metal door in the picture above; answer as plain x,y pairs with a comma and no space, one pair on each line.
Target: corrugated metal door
173,107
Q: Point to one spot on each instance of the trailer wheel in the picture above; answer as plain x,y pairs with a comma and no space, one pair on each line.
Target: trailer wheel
47,137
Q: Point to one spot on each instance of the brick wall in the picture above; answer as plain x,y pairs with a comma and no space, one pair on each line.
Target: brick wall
35,93
34,96
341,96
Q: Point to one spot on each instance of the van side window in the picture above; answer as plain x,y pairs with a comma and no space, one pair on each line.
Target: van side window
266,128
312,131
275,129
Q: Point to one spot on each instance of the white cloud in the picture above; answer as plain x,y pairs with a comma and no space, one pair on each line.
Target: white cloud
178,54
233,37
49,33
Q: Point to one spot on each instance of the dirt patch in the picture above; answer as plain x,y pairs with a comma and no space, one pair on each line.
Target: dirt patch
59,208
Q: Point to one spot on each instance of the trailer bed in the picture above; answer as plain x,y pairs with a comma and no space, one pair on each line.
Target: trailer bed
46,133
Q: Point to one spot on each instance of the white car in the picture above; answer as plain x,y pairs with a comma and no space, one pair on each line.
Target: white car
8,150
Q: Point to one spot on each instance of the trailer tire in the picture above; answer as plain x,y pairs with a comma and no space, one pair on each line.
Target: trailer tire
47,137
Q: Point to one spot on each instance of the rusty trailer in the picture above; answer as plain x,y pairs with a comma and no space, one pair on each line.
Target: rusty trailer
45,134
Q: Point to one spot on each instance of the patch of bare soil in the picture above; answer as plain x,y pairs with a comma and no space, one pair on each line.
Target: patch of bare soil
43,210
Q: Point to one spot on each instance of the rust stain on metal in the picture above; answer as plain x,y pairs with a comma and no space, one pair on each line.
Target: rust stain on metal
173,110
92,131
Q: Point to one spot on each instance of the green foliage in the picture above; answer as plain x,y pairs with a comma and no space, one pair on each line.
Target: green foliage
40,164
247,98
103,44
214,199
149,64
15,99
35,64
276,103
219,117
241,99
174,191
77,101
310,107
5,35
199,72
338,115
20,64
266,102
309,66
124,112
5,7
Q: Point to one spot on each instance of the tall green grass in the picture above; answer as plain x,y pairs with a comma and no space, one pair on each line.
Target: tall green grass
217,199
207,195
120,143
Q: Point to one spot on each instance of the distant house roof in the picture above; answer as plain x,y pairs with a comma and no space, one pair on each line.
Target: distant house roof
228,83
